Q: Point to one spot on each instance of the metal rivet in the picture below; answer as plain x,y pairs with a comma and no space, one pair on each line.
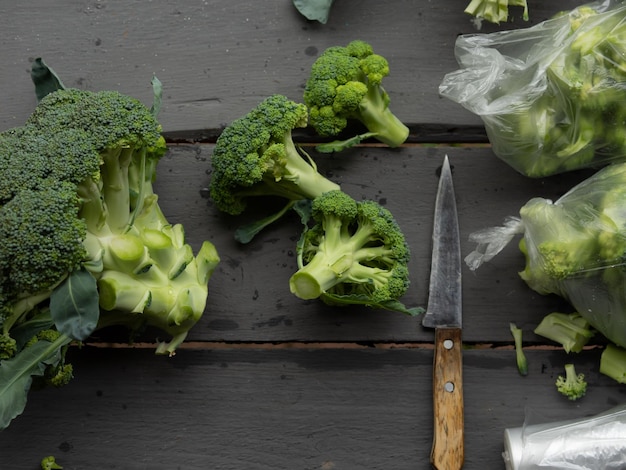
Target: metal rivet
449,387
448,344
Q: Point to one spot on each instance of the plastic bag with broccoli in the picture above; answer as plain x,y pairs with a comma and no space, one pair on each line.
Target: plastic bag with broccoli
574,247
551,96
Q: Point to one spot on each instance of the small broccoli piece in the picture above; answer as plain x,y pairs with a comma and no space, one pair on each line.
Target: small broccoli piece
256,156
355,253
573,385
520,357
572,331
345,83
613,363
495,11
50,463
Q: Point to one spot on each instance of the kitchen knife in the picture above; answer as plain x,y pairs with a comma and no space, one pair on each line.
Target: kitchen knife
444,313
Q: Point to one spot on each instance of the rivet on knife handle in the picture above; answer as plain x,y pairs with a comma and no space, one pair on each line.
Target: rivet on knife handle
448,442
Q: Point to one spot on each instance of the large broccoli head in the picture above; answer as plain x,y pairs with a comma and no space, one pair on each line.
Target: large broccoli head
76,194
345,83
355,253
256,156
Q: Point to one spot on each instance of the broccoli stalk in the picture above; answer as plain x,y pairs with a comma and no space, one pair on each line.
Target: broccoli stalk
613,363
572,331
355,253
345,83
520,357
572,385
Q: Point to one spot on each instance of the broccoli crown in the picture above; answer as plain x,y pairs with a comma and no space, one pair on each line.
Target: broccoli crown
76,192
256,156
40,238
353,250
346,83
573,385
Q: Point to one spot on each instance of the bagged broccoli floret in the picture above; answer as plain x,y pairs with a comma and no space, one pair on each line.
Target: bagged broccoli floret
551,95
574,247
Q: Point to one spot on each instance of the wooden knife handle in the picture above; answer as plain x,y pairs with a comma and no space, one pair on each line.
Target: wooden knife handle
448,442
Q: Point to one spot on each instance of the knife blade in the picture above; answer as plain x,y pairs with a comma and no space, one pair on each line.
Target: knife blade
444,314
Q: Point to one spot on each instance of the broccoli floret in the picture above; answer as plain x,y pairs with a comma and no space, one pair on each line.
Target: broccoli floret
79,219
572,331
50,463
355,253
613,363
345,83
520,357
573,385
256,156
495,11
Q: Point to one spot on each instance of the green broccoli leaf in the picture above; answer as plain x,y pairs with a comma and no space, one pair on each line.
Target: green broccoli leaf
74,305
247,232
16,375
339,145
157,90
45,79
317,10
360,299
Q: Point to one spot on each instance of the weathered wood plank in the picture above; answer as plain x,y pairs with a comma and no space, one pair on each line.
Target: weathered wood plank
249,293
218,59
283,409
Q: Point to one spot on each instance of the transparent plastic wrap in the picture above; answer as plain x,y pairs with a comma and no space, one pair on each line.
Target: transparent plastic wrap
551,96
574,247
592,443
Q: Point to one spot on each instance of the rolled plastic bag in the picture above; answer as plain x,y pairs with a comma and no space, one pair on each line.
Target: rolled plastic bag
574,247
594,443
551,96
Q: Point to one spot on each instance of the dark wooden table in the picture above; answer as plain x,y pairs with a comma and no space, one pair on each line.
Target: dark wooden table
265,380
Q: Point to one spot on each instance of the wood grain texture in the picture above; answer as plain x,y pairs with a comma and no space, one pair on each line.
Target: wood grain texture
217,59
230,409
448,451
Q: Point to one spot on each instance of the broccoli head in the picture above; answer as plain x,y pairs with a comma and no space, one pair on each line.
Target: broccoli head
256,156
83,241
345,83
572,385
355,253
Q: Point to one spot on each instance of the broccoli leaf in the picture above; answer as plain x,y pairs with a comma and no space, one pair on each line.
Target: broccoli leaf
247,232
157,90
339,145
74,305
358,299
317,10
16,375
45,79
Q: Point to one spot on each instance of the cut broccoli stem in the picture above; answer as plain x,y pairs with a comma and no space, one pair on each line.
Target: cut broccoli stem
613,363
522,362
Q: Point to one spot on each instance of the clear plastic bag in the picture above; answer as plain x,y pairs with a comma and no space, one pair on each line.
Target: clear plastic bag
551,96
574,247
591,443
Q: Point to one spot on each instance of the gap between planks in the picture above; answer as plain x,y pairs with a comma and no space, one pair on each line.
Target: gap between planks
317,345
